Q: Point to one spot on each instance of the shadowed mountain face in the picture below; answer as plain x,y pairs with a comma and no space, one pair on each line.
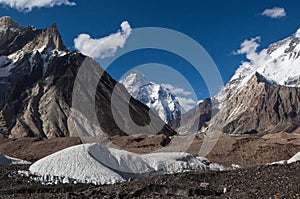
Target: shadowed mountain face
37,75
198,117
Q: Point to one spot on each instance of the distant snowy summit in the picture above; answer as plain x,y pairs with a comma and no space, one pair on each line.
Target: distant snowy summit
279,64
157,97
263,94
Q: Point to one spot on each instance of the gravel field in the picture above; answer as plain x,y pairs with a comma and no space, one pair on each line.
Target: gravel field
277,181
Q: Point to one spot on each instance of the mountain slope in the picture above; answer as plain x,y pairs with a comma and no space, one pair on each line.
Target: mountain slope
261,107
278,63
261,97
159,99
37,75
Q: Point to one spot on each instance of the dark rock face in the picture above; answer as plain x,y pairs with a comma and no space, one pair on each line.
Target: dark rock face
37,75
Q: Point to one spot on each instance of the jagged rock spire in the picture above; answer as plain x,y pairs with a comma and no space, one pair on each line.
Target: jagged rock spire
28,39
55,38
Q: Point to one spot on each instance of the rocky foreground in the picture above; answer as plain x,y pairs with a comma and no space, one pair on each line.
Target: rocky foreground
252,181
276,181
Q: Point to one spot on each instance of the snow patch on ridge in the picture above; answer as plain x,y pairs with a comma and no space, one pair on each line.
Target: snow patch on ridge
293,159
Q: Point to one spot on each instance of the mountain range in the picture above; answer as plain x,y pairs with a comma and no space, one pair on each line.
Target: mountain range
262,96
37,74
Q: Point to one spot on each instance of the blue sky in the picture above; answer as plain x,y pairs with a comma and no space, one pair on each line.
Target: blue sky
219,26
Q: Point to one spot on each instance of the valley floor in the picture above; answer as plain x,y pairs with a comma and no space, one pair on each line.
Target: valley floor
247,151
252,181
277,181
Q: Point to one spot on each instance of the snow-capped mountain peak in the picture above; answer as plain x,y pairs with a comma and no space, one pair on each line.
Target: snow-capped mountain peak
134,81
279,63
297,34
262,96
158,98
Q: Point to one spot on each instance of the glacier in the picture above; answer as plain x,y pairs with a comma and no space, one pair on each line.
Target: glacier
98,164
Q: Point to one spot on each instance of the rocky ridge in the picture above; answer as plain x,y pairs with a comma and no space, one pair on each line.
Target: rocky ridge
262,96
37,73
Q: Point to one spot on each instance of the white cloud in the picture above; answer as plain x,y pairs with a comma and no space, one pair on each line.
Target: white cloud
186,103
177,91
103,47
248,48
27,5
182,95
274,13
